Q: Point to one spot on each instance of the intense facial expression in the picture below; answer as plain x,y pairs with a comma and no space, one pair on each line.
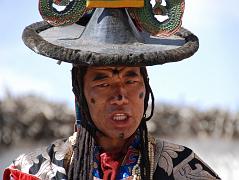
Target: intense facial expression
115,97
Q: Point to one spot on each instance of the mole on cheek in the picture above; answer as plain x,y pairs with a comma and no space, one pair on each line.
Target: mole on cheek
141,95
92,100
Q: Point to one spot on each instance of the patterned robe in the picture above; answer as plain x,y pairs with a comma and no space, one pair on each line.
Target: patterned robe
171,161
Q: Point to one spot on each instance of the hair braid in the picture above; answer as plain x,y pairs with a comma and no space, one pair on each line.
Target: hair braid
144,149
81,167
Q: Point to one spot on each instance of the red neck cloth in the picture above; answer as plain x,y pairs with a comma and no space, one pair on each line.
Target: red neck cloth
111,161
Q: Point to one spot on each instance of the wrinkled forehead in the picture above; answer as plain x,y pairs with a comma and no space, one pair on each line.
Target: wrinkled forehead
92,71
113,70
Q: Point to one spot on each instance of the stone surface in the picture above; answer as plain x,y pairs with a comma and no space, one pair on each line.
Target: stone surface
175,121
33,118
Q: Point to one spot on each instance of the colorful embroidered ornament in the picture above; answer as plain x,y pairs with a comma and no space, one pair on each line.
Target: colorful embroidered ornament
114,3
113,36
130,165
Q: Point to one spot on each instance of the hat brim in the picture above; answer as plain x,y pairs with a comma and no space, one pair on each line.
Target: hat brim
64,44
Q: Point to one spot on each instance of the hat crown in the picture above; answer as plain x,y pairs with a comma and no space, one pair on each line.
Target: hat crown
110,25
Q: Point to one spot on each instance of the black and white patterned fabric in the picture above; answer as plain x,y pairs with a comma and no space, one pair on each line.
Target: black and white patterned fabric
172,162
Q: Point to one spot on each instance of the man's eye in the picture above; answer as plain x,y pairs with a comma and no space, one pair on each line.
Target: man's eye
130,82
103,85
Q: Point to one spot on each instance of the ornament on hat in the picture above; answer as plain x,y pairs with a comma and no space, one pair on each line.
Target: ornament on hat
141,12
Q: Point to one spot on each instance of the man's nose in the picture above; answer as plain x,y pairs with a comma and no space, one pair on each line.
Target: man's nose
119,96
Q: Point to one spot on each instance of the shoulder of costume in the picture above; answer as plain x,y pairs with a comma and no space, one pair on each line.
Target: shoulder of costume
179,162
44,163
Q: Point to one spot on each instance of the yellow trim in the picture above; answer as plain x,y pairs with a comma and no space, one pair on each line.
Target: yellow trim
114,4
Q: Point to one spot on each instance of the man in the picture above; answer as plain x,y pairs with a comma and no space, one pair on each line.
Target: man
112,91
112,140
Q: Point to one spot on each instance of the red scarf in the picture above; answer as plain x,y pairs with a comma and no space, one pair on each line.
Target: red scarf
110,163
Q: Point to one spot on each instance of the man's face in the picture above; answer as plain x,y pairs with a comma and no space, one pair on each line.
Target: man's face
115,97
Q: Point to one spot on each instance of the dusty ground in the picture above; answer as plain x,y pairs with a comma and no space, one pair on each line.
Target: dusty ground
221,155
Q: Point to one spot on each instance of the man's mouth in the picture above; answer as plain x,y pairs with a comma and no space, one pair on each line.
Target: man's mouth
120,117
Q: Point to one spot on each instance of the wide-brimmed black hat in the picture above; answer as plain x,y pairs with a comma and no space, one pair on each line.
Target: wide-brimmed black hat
110,38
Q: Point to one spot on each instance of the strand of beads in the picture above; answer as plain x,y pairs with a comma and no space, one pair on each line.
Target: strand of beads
151,156
136,169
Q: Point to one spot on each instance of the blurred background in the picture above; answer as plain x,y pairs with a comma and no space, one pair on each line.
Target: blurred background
197,100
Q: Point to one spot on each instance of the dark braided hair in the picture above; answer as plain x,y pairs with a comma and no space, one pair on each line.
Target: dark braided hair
143,131
81,166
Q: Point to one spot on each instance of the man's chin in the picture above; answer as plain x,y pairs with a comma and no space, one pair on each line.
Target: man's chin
123,135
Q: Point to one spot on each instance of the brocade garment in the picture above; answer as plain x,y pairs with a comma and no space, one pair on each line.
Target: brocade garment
171,162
